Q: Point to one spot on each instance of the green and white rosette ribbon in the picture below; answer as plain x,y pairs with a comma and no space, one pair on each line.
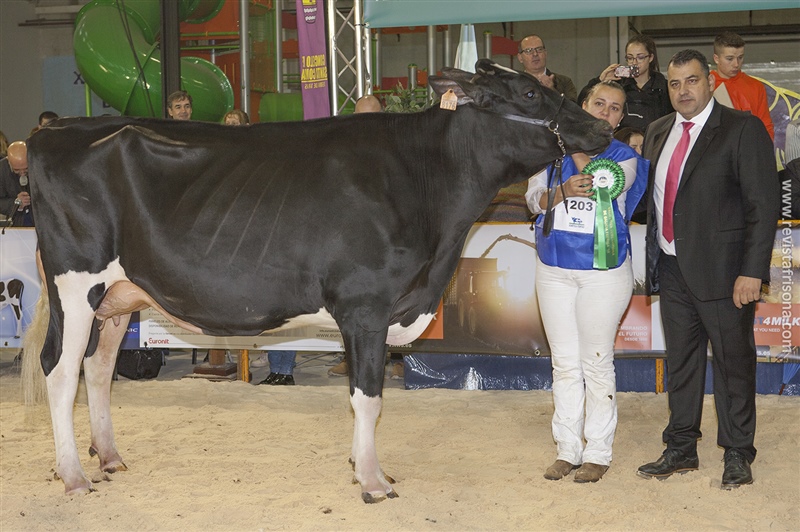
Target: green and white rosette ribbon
608,184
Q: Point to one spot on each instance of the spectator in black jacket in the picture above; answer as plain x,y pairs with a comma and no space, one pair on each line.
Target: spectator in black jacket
647,96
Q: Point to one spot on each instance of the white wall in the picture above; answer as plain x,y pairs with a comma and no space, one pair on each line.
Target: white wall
22,51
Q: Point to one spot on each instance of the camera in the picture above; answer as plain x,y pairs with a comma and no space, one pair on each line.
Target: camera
630,71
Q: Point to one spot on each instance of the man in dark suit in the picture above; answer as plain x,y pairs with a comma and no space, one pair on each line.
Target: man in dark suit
15,199
712,218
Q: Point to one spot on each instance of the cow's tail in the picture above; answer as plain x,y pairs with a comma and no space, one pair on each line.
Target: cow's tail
34,390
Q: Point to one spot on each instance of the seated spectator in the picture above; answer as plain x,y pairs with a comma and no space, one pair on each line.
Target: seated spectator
281,368
179,105
46,117
236,117
646,92
15,199
368,104
635,139
631,136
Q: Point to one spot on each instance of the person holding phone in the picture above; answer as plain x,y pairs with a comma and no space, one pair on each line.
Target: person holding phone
645,86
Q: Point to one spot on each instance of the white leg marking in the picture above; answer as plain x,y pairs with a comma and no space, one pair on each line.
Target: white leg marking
368,471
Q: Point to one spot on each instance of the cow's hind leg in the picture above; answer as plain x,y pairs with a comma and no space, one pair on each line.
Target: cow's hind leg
62,383
98,371
367,356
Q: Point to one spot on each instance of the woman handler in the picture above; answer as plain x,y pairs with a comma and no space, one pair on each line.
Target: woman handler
584,282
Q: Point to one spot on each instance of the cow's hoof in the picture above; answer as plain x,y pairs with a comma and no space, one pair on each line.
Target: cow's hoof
78,488
370,498
81,485
92,451
115,466
82,490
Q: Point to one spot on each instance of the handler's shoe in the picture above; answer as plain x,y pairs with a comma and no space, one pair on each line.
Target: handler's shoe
339,370
559,470
671,461
590,472
737,470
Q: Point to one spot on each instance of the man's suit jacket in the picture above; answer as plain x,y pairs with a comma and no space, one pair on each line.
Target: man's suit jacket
9,189
727,204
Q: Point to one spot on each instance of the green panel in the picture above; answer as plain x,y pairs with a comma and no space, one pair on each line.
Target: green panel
394,13
281,107
120,59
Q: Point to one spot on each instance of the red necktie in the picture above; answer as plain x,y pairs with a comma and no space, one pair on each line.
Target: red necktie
673,177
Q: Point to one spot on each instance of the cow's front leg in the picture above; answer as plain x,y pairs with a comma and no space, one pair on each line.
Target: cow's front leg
98,371
367,356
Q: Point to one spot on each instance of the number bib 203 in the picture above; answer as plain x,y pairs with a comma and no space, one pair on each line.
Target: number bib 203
579,219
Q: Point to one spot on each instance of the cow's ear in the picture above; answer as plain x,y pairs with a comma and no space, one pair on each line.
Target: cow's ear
488,67
441,85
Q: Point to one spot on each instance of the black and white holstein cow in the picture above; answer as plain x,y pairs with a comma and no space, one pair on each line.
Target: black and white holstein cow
356,222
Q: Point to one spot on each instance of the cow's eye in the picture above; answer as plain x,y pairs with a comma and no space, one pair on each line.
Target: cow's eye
530,95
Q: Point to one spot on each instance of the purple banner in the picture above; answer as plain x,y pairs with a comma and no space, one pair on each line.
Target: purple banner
313,59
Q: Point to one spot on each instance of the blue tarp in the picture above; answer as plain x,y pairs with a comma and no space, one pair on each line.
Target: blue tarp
498,372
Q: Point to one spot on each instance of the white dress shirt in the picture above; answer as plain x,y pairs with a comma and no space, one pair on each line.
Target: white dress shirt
699,122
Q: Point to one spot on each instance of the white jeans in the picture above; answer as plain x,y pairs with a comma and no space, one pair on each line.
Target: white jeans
581,311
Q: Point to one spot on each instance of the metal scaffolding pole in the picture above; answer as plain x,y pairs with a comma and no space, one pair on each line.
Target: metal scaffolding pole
431,56
448,56
358,23
244,55
376,75
345,55
278,46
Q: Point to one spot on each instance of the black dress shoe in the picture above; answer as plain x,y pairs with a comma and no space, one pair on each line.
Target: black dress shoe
671,461
283,380
270,378
737,470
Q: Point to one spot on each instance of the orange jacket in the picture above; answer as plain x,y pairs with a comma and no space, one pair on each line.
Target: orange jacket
747,94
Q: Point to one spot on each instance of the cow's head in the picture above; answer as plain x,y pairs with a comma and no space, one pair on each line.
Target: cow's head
507,92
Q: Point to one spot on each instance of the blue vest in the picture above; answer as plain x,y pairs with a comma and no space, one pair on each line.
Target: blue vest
575,251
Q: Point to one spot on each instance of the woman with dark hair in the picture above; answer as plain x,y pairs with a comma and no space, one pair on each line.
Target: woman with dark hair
645,87
631,136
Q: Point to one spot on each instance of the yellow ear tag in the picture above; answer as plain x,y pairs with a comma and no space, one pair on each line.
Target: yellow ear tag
449,100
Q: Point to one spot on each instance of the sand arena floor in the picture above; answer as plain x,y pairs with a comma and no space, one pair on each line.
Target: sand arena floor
233,456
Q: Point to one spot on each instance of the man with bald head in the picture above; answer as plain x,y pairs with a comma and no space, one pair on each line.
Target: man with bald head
15,199
368,104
